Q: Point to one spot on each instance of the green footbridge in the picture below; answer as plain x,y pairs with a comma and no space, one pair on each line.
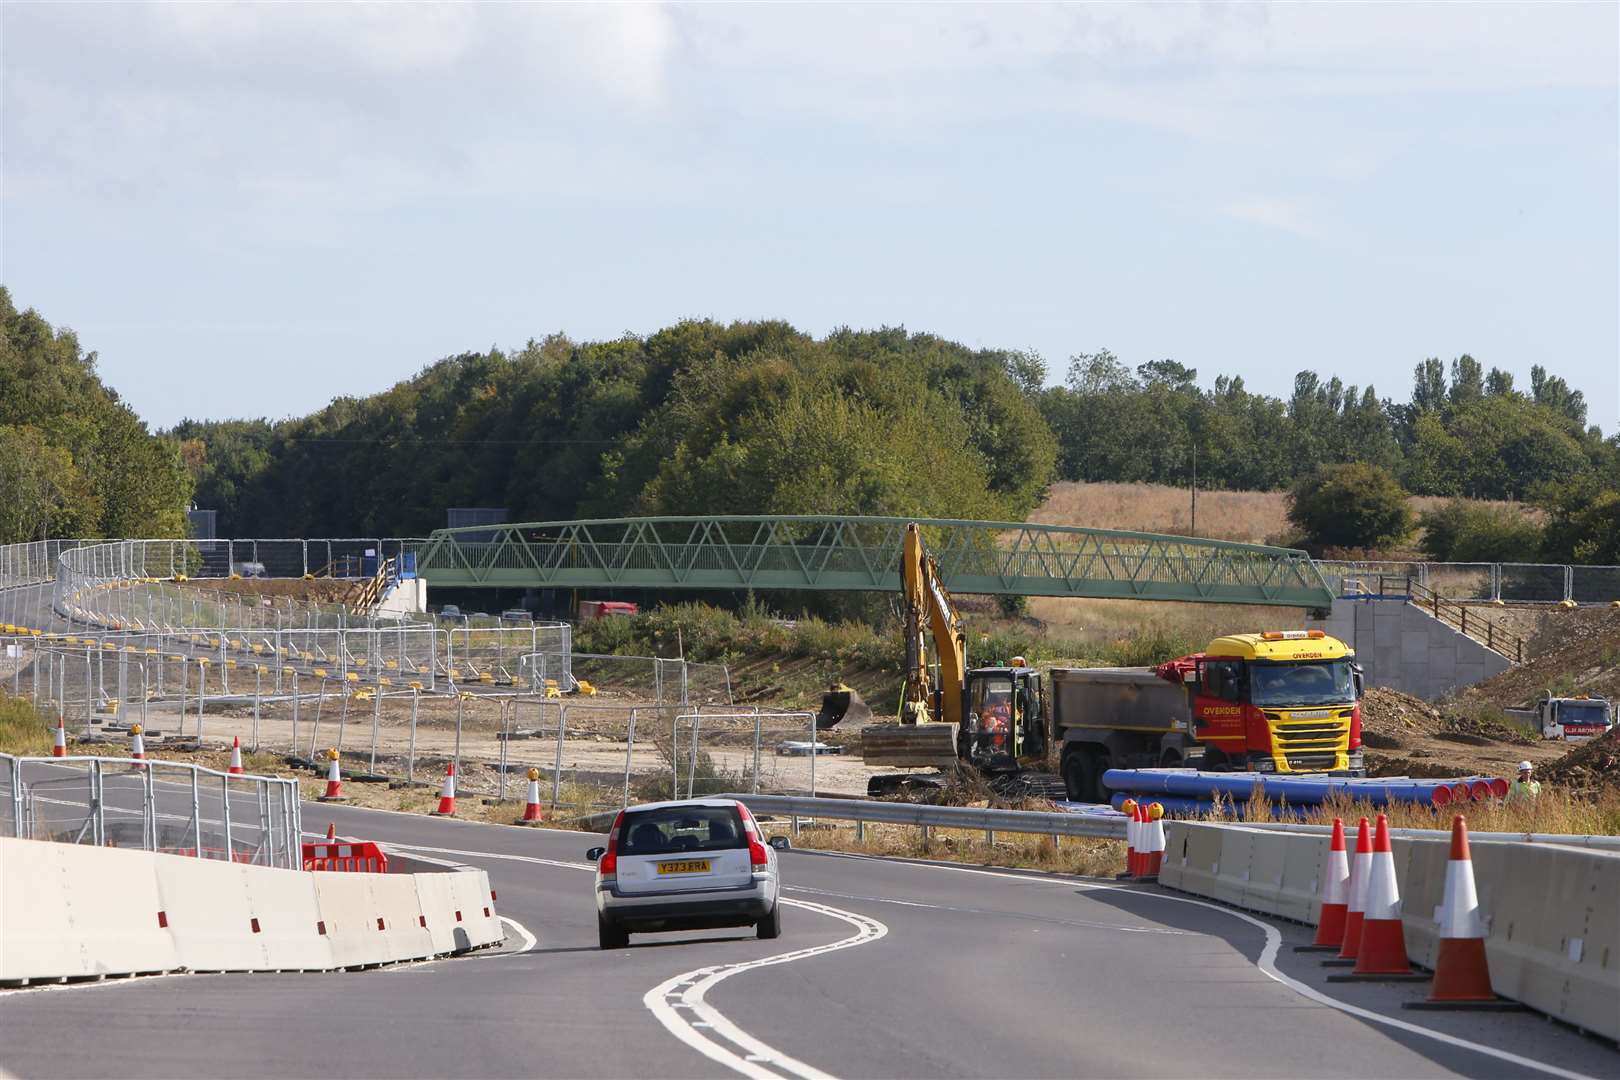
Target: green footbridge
863,553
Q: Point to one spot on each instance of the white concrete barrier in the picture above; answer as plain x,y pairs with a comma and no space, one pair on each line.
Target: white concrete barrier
70,912
1553,932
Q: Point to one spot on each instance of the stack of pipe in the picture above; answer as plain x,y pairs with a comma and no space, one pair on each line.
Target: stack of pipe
1187,791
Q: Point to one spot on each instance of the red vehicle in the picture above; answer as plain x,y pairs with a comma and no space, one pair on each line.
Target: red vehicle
590,610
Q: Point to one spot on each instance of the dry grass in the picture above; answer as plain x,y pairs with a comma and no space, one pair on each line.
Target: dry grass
22,730
1074,855
1556,811
1102,621
1245,516
1250,517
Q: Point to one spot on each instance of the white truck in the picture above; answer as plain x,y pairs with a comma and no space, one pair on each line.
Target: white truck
1573,719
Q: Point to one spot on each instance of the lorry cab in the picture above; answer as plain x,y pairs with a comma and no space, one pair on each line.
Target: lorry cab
1003,716
1574,719
1282,701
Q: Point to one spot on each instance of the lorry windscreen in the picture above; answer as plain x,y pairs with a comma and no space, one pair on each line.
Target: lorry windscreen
1583,712
1284,685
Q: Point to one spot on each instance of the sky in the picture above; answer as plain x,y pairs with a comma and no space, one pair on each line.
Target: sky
248,209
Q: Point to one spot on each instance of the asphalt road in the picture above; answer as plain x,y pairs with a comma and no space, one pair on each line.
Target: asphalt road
896,969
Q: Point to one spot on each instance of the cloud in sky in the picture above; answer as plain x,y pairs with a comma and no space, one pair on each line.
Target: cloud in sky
602,167
1289,215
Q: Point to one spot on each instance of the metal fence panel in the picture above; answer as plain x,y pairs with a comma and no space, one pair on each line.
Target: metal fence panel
1534,583
1595,584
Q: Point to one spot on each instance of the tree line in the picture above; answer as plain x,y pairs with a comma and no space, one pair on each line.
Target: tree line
759,417
74,459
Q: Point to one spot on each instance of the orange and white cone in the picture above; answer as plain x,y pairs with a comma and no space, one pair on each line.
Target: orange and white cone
59,747
447,794
531,811
1462,979
334,779
1355,912
137,745
1155,841
1383,939
1335,893
236,755
1129,807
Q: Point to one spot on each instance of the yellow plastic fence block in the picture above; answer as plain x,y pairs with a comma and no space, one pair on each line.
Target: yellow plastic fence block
485,676
384,680
391,665
321,672
351,676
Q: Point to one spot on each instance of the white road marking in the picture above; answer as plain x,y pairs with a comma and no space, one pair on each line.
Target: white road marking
529,940
757,1060
1267,963
1002,914
686,991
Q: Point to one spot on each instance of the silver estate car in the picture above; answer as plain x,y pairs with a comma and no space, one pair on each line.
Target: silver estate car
690,865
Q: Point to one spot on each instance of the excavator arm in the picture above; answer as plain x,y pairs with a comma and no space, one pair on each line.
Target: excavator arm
930,614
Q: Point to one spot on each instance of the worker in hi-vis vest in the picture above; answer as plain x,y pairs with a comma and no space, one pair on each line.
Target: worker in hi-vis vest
1523,789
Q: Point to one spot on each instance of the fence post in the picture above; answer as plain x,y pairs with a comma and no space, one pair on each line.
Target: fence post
410,757
629,752
196,817
556,765
225,803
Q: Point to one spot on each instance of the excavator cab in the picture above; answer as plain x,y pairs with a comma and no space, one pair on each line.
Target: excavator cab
1003,718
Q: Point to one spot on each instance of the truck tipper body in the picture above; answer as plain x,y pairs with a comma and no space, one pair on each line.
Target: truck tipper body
1280,702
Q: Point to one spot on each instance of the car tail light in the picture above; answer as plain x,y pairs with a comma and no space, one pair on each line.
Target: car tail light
1355,728
608,865
759,859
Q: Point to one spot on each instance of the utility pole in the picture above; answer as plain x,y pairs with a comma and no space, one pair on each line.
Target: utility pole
1195,489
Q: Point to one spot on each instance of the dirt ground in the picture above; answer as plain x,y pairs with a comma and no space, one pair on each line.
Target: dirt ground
1407,736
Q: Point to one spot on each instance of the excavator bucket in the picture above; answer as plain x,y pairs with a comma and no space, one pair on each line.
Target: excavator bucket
839,703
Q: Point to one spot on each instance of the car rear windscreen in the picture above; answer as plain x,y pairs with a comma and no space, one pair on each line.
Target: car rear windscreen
681,828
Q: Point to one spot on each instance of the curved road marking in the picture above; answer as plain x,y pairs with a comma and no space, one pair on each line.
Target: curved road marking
1086,923
1268,966
674,997
671,1000
529,940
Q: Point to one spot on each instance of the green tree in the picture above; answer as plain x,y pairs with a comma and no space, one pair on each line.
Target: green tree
95,469
1462,531
1354,505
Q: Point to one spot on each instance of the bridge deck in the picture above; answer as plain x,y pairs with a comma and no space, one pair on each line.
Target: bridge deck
863,553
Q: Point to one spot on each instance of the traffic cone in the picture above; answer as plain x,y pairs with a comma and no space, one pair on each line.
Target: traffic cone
137,745
1155,846
1360,867
334,779
1383,939
1335,894
447,794
1129,809
236,755
531,812
1461,977
59,747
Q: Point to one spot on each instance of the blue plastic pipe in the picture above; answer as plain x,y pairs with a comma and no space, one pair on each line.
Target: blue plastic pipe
1293,790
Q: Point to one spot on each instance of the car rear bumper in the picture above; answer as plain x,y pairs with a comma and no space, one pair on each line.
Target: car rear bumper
686,911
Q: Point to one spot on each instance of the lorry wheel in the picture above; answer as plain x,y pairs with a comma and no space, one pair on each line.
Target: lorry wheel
1082,776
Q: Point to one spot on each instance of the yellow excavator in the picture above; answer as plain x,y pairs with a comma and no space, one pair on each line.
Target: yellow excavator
992,719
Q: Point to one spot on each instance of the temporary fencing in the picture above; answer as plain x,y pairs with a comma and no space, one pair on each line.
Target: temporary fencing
1510,583
152,805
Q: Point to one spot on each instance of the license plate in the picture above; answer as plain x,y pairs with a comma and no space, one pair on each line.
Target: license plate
686,866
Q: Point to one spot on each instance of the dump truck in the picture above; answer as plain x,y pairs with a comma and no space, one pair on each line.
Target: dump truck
1573,719
1274,702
